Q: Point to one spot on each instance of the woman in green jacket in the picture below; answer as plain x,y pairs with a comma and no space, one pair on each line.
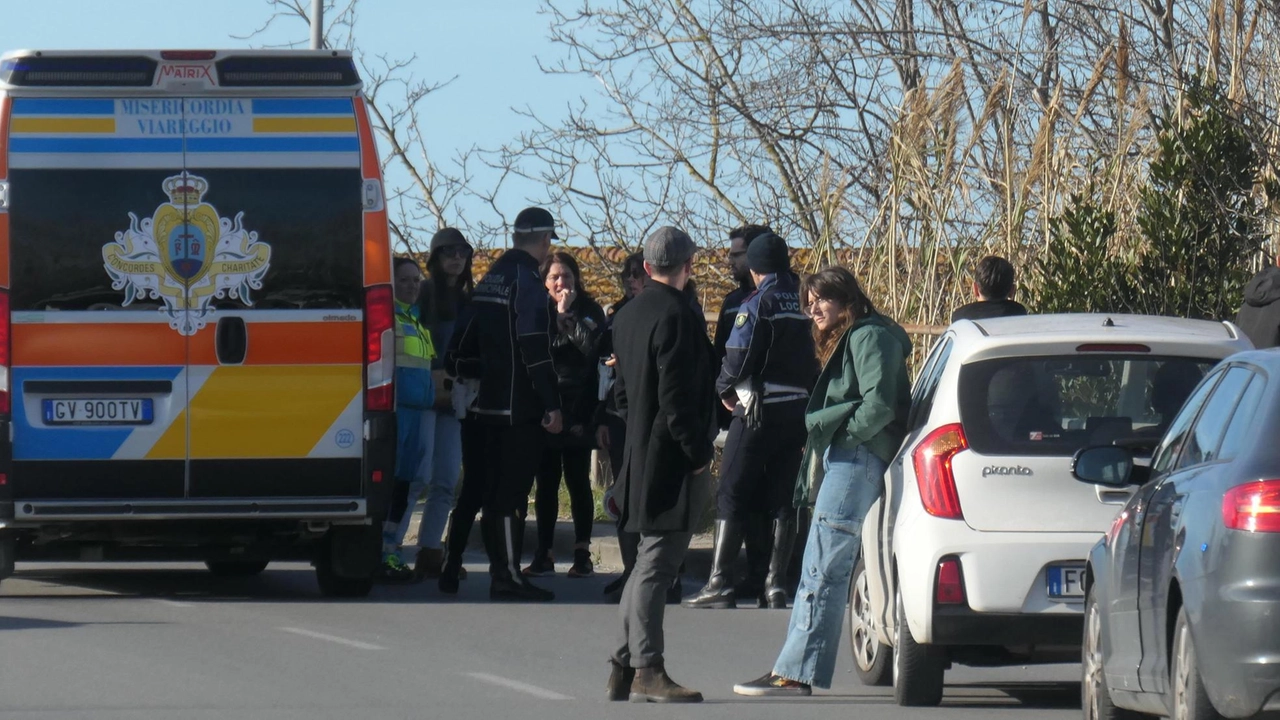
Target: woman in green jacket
856,420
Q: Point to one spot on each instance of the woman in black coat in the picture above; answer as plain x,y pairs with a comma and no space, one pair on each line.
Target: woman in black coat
574,352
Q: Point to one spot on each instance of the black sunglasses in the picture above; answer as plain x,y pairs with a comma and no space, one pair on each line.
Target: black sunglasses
455,251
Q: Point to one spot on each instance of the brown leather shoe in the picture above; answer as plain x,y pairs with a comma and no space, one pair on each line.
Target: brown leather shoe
620,681
653,685
428,563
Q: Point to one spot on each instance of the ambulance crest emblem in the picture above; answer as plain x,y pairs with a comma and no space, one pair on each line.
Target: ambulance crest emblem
186,256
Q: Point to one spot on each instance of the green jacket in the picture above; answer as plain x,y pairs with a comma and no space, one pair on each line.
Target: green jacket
861,397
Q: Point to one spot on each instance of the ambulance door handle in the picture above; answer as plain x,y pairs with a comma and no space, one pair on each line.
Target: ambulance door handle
231,341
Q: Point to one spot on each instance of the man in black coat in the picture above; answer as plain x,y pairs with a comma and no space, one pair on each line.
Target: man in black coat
665,387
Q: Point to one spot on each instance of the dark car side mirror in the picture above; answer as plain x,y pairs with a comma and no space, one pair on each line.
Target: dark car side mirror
1103,465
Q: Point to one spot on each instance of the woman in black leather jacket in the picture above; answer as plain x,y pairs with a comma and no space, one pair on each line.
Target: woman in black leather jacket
579,324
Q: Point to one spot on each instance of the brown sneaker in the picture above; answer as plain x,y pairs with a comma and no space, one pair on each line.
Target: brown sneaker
653,685
620,680
428,563
771,685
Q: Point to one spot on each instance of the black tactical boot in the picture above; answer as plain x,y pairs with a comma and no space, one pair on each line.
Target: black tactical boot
506,582
775,584
719,590
755,538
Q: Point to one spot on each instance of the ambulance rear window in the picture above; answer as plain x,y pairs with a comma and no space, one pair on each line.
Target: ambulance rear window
261,238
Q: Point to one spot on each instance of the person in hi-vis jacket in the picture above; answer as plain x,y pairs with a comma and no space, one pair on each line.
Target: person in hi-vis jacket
415,394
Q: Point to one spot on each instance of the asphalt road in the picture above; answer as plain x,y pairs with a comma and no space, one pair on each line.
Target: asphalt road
170,641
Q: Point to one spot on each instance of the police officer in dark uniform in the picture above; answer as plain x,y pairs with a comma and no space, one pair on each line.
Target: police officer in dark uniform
739,240
769,366
755,533
504,341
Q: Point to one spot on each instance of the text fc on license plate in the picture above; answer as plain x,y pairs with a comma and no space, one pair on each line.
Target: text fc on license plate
1066,582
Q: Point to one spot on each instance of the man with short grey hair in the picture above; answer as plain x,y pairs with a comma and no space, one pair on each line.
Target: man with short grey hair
665,388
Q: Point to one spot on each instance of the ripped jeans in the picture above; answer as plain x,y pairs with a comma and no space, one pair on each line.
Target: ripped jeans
854,479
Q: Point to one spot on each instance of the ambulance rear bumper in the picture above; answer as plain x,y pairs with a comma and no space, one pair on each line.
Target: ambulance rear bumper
31,513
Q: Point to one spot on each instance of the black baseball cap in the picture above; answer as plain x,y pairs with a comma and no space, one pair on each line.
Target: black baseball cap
534,220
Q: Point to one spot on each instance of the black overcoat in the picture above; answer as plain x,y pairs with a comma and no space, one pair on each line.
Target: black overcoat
665,389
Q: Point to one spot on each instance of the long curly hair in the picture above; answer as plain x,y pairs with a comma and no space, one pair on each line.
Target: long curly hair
839,285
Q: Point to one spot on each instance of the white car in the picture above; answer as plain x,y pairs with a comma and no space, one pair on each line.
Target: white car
976,553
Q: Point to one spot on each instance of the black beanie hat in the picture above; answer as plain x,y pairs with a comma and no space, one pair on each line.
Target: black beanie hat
767,254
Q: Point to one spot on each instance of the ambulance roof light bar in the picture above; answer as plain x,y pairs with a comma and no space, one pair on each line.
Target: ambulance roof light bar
234,69
82,71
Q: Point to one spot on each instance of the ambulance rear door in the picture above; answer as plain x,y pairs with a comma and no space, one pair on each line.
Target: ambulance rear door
275,375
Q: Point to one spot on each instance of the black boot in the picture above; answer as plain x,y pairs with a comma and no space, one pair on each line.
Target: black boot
455,546
756,535
503,540
775,584
450,574
675,592
719,591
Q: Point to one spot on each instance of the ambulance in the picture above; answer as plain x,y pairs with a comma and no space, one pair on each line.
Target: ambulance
196,317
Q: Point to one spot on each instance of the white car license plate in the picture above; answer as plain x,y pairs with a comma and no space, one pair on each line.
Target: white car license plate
1066,582
98,412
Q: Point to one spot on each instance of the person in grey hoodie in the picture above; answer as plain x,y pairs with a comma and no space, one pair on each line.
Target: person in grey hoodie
1259,316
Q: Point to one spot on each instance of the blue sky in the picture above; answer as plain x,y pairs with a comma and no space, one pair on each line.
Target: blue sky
491,45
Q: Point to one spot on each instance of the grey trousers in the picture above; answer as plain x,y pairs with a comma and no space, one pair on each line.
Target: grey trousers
644,599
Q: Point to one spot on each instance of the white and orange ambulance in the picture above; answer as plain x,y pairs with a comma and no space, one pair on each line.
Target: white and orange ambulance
196,340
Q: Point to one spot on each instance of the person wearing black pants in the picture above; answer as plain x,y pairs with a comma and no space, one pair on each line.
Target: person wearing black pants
755,531
769,366
760,463
504,342
580,323
470,501
573,462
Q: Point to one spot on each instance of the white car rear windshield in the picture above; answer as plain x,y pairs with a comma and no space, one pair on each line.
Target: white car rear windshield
1057,405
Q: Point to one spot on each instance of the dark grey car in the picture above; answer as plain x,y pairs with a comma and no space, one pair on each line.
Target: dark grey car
1182,611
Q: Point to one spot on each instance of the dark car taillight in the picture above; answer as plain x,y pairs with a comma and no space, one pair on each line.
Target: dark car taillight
1253,507
937,481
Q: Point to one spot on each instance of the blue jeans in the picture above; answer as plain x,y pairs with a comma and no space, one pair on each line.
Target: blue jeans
436,479
854,479
412,448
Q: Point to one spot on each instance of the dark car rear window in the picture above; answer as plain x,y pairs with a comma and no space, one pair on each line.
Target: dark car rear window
1056,405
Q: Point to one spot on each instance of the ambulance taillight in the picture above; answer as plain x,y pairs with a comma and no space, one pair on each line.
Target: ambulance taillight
380,349
6,357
